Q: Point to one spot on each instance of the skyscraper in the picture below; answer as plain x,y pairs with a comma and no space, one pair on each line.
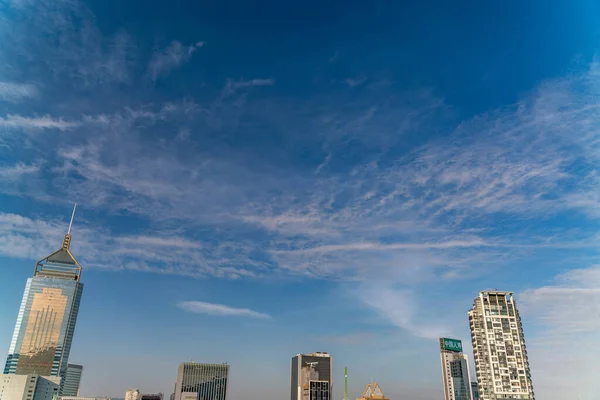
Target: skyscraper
72,380
455,370
202,381
499,348
45,325
311,377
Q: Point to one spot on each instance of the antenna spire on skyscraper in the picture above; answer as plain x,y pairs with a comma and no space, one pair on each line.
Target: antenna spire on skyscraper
67,239
72,216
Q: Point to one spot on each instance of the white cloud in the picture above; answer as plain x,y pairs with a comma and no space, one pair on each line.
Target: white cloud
564,319
43,122
388,246
17,171
167,252
233,86
170,58
63,39
399,307
353,82
158,241
201,307
15,92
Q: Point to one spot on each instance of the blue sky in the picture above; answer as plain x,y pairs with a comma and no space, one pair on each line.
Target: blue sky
259,179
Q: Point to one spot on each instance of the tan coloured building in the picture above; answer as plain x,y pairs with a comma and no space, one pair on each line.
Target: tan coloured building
373,392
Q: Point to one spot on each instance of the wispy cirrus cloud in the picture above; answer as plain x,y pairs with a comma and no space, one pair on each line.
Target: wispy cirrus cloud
37,122
15,92
173,56
166,253
567,311
201,307
15,172
233,86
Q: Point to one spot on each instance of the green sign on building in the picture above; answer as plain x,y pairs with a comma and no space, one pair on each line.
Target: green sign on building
452,345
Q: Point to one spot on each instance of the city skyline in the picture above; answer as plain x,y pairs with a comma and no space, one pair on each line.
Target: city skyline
261,179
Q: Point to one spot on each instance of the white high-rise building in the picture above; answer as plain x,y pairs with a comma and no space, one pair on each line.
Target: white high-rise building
28,387
455,370
132,394
499,348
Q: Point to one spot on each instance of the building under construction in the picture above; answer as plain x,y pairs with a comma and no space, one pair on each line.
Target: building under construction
311,376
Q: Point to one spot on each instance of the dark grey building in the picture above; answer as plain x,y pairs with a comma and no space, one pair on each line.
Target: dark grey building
311,377
158,396
72,380
475,390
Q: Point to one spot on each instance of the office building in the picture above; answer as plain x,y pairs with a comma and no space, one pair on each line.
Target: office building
45,325
373,392
72,380
28,387
157,396
311,377
83,398
455,370
132,394
475,390
197,381
499,348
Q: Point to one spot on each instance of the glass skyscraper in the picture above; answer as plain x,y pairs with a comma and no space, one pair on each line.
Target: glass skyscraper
72,380
202,381
456,376
45,325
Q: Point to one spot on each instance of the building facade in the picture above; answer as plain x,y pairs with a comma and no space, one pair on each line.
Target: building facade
132,394
499,348
157,396
197,381
373,392
311,377
28,387
475,390
455,370
83,398
45,325
72,380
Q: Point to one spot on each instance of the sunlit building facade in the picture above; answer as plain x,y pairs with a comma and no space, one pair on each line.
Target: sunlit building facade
373,392
197,381
28,387
499,348
45,325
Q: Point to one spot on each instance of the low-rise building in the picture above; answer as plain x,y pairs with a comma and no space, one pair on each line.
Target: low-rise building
28,387
83,398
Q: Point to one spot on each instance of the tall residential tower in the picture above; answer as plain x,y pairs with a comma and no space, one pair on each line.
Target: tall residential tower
499,348
455,370
311,377
45,325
